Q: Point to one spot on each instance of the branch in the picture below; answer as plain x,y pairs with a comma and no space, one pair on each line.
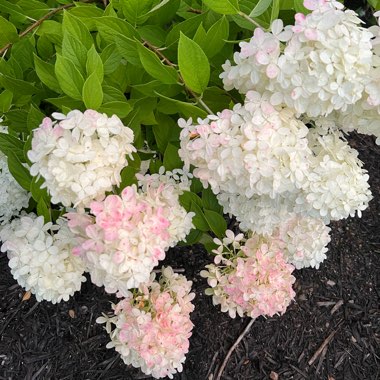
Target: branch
251,20
231,350
4,49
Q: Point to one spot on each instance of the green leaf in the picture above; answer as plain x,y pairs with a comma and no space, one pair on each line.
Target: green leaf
163,131
5,101
73,26
69,78
260,8
155,67
8,32
187,27
158,6
17,86
200,36
275,10
193,237
37,192
193,64
13,10
92,92
128,49
17,120
35,117
109,27
66,102
111,58
43,210
187,198
199,220
216,222
94,64
225,7
153,33
215,37
52,30
128,177
45,72
74,50
209,201
135,11
121,109
171,158
11,145
19,171
171,106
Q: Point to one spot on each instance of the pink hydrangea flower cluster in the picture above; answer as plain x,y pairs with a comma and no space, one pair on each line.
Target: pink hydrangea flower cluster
152,325
124,237
249,277
81,156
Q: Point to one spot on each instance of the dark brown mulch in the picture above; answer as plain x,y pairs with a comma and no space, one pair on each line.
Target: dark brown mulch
337,304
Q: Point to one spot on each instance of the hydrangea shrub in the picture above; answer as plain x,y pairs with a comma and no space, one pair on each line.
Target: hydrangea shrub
129,127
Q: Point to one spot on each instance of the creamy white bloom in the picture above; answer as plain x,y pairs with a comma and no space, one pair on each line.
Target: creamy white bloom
40,257
81,156
303,240
253,149
337,185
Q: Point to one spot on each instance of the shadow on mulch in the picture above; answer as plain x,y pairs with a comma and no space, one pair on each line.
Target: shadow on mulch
331,331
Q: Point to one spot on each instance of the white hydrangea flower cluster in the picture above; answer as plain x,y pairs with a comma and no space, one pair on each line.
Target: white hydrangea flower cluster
124,237
337,185
81,156
324,64
253,149
153,326
303,240
40,257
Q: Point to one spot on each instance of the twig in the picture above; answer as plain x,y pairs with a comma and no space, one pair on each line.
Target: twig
180,270
231,350
39,22
251,20
212,364
322,346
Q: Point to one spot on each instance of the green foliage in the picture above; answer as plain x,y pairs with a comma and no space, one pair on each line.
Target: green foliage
149,62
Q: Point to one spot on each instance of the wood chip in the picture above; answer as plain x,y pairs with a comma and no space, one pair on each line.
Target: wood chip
72,313
26,296
273,375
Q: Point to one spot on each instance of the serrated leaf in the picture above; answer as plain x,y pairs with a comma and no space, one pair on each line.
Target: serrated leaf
19,171
225,7
260,8
92,92
69,78
94,64
45,72
216,222
193,64
155,67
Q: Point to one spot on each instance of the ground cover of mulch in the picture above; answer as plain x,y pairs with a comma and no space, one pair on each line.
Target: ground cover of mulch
331,331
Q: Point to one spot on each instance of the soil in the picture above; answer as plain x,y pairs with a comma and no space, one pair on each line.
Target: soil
336,314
